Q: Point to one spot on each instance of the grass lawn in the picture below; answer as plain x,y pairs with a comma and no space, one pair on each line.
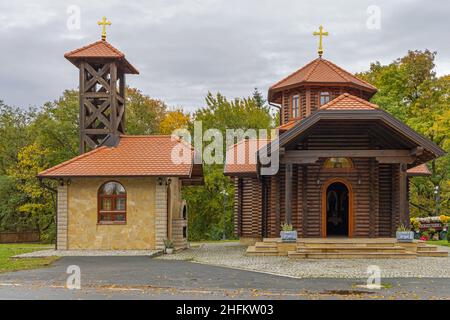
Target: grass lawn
439,243
9,250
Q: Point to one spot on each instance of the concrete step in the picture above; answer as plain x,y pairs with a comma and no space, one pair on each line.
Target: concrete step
354,249
432,254
253,251
426,248
353,255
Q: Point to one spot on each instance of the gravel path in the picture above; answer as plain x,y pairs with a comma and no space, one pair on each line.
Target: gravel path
232,255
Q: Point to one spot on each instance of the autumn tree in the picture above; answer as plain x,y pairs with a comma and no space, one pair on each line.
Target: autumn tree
175,119
409,89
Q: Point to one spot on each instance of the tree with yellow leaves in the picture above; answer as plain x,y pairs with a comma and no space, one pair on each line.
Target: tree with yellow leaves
173,120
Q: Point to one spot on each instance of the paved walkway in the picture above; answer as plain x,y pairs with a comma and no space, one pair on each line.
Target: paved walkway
149,278
232,255
89,253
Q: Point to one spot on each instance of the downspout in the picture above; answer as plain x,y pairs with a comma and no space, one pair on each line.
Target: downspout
53,190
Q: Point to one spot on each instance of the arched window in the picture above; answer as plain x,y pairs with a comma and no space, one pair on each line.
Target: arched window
338,163
295,106
324,97
112,203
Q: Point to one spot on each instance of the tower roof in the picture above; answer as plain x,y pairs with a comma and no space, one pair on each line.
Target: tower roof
100,50
321,71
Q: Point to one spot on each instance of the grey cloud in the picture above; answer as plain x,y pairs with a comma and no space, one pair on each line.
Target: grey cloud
186,48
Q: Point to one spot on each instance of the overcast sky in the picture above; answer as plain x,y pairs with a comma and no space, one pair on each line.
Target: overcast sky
185,48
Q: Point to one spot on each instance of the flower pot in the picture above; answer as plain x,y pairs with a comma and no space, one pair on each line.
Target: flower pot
169,250
405,236
288,236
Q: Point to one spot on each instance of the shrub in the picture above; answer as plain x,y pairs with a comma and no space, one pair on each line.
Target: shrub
287,227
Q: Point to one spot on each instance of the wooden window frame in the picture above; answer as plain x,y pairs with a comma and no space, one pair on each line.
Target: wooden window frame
328,93
112,213
296,94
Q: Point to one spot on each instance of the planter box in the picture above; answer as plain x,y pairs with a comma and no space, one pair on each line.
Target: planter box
405,236
288,236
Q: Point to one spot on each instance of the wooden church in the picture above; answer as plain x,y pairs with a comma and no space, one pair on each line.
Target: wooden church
122,192
344,163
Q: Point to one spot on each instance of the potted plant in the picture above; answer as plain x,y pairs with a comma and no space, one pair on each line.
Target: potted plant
404,234
168,245
288,234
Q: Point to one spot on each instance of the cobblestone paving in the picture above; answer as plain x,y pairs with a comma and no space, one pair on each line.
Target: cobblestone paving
232,255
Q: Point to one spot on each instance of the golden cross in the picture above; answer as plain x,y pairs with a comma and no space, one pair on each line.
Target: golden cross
320,34
104,23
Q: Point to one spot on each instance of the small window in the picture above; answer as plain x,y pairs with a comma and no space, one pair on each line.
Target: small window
295,106
112,203
184,232
184,212
338,163
324,98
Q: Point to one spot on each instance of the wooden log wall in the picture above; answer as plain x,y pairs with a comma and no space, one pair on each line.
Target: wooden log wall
310,99
248,207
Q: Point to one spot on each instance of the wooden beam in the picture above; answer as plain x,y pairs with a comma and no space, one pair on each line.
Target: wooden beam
418,151
82,110
277,204
304,199
406,160
298,154
403,198
288,193
308,160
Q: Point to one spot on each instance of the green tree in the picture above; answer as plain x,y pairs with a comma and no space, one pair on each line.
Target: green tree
37,204
409,89
211,205
143,114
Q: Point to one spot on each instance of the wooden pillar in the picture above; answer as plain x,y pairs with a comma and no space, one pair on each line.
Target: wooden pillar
277,204
372,198
304,199
403,197
113,98
240,203
82,110
288,193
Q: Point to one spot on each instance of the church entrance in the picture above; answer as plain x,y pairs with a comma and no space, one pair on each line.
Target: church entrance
336,211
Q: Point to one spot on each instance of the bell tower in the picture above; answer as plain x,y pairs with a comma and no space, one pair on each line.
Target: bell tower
102,91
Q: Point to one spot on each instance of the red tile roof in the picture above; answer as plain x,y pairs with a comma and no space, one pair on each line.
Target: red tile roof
321,71
241,157
100,49
349,102
420,170
133,156
288,125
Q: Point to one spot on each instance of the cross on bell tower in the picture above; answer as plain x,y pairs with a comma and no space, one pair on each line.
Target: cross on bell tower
102,91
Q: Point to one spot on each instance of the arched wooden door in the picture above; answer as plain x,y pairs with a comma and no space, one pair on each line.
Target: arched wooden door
337,208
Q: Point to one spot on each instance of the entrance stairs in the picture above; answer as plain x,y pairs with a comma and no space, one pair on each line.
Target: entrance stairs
344,248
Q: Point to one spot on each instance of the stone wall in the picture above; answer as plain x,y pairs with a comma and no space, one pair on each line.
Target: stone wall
61,240
139,231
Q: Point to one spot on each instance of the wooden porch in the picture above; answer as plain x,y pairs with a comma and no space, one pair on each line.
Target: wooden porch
344,248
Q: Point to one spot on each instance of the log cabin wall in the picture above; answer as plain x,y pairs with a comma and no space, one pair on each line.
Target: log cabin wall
248,207
375,192
375,198
309,99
